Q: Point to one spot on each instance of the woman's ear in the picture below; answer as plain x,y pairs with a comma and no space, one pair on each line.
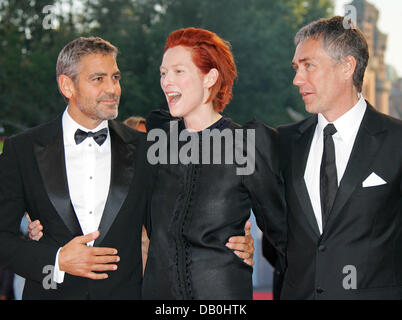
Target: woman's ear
211,77
66,86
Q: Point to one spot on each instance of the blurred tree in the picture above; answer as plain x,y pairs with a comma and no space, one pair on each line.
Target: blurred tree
28,54
260,31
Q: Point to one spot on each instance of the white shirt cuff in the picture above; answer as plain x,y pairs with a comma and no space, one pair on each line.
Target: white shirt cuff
58,275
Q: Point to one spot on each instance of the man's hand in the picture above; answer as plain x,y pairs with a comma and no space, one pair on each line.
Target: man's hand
78,259
34,228
243,246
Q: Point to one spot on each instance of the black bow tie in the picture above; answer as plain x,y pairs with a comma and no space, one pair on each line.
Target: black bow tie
99,136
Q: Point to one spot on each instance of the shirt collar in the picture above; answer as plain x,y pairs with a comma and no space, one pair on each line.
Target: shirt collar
70,126
348,124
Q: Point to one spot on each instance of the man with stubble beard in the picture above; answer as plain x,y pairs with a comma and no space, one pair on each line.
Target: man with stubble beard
85,177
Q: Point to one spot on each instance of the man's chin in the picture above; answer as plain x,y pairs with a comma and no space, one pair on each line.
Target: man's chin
310,108
106,116
110,114
113,116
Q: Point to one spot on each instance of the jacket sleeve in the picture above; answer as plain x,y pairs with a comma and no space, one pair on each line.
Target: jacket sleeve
266,188
24,257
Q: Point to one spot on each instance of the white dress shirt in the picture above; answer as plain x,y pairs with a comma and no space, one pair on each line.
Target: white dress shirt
88,168
347,127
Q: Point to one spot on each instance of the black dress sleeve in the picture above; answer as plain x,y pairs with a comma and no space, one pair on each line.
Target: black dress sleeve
266,188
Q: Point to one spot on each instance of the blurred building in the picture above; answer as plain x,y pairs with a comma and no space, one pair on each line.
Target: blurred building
376,86
395,99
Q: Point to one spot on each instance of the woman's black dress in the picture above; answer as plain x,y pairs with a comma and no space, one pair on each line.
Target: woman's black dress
195,208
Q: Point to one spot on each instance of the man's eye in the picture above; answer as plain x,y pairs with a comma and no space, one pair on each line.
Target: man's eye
97,79
117,77
179,71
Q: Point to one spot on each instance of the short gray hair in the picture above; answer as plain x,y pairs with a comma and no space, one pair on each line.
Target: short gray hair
339,41
71,55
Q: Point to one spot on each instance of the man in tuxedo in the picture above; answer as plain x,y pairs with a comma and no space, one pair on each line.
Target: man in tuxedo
85,176
342,169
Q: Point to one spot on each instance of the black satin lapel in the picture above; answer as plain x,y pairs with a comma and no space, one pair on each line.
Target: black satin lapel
301,151
363,153
51,163
121,176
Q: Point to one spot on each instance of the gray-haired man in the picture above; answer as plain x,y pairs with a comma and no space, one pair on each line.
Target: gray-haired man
82,173
343,174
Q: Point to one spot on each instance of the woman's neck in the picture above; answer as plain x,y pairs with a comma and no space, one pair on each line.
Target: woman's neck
202,118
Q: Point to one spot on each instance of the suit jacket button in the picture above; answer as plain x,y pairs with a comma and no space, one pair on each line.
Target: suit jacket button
322,248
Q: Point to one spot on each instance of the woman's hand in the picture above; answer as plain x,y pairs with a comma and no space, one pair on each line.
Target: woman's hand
34,229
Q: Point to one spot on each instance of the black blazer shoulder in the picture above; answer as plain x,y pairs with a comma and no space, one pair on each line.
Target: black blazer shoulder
43,133
375,121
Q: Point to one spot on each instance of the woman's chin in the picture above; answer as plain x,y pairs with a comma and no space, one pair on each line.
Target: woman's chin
175,112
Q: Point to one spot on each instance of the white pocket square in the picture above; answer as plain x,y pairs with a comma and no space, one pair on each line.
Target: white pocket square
373,180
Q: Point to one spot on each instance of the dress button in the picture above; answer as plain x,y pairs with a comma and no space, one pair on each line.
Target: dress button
319,290
322,248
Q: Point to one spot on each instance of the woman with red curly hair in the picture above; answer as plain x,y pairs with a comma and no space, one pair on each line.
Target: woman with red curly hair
196,207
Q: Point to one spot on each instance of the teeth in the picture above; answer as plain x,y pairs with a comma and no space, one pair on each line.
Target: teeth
173,94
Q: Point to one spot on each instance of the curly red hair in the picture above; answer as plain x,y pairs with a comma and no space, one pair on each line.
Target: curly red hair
209,51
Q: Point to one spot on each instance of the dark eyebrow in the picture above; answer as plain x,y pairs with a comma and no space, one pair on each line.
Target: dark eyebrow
294,64
102,74
302,60
305,60
97,74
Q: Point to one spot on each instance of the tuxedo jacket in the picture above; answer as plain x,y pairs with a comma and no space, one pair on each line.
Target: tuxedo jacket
359,253
33,179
